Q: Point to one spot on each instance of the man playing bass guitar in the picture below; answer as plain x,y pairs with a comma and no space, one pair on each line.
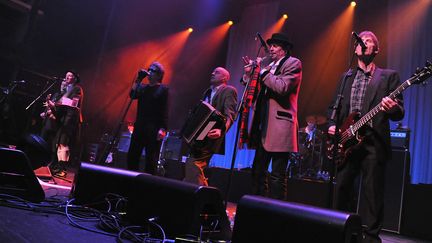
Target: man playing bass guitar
367,86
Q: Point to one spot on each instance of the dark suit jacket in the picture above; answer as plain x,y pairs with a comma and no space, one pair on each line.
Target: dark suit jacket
383,82
225,101
152,105
63,114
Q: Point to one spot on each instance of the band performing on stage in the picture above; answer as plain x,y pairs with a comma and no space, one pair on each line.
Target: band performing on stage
307,141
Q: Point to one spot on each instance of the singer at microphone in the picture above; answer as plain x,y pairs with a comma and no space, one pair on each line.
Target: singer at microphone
273,133
151,118
364,87
63,117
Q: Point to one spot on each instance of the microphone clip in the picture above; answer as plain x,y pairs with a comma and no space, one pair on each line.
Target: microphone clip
263,44
19,81
359,40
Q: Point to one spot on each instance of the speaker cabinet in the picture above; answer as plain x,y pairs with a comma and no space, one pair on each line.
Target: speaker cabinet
260,219
241,182
311,192
396,180
93,182
17,177
180,208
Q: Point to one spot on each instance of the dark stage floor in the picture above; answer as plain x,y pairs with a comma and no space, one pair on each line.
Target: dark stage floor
47,222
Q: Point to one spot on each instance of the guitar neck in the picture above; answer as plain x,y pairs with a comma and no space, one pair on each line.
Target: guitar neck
371,114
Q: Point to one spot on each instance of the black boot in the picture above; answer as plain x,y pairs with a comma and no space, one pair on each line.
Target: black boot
62,169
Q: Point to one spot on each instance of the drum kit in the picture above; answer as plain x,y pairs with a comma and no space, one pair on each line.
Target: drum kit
311,162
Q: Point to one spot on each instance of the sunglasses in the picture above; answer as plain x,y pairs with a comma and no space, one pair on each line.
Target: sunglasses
153,70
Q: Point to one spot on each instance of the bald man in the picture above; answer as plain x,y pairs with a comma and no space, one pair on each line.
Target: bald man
223,98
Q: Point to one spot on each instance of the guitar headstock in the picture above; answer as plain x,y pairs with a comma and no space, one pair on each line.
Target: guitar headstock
422,74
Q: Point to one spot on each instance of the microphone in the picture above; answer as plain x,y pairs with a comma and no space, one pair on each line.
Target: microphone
359,40
254,63
19,81
263,44
142,73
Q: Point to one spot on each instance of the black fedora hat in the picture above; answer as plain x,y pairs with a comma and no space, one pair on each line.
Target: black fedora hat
280,39
76,75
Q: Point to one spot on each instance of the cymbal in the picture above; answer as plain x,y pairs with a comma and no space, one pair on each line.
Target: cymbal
316,119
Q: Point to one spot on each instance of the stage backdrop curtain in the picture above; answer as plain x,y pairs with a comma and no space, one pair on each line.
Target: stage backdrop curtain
410,45
255,18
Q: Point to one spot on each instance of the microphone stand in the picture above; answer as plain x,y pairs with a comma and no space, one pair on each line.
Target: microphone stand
114,139
239,112
334,117
42,93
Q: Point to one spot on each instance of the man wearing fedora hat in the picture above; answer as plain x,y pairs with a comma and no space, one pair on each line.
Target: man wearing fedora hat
274,125
64,113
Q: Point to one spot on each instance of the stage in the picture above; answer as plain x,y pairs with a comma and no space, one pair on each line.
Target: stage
58,219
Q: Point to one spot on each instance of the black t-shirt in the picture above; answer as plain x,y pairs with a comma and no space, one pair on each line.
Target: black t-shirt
152,104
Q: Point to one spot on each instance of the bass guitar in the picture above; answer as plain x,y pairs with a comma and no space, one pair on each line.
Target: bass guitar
349,136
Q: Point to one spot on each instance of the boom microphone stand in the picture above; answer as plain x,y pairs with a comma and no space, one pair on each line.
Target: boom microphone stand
42,93
114,139
335,117
239,113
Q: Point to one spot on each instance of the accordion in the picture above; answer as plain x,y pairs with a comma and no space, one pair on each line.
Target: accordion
201,120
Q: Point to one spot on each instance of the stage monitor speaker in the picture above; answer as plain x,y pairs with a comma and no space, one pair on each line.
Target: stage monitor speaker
93,182
180,208
260,219
17,177
396,179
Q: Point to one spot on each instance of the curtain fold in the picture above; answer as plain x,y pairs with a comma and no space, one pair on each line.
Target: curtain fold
410,45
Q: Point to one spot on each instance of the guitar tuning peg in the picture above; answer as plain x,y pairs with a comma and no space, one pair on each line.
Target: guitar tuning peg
429,65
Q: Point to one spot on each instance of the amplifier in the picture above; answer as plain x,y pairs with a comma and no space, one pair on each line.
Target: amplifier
400,139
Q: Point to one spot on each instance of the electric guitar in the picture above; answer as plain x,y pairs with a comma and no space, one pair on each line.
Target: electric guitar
48,113
349,136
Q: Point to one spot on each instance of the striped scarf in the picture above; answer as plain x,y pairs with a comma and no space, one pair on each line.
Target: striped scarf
253,88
